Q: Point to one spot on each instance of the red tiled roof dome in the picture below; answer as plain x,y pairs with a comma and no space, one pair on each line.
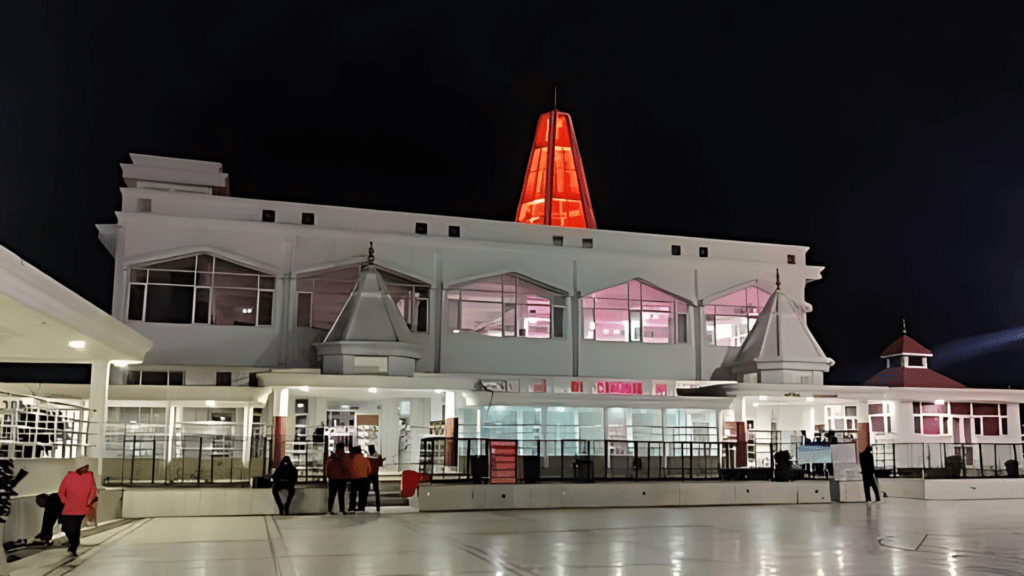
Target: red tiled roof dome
912,378
905,345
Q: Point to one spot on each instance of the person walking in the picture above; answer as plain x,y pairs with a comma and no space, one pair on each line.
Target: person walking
867,472
360,480
339,473
376,461
285,478
77,492
52,510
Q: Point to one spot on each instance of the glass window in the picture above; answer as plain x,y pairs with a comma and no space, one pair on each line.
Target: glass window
730,318
322,295
634,312
178,292
506,305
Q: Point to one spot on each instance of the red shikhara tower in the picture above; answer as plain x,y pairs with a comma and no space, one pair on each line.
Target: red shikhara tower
555,189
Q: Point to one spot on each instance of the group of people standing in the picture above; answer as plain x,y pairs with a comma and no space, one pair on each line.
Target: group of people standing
357,472
346,470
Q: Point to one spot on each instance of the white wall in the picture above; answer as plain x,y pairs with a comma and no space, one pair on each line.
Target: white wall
181,223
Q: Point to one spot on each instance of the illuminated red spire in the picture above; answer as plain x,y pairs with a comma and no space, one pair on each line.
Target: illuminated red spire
555,189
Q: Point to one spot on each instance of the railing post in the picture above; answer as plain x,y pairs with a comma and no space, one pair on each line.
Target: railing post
134,439
199,462
124,438
152,472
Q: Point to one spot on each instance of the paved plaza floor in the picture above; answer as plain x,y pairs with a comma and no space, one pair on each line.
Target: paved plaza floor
900,537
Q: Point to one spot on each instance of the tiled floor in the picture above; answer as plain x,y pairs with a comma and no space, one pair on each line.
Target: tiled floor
902,537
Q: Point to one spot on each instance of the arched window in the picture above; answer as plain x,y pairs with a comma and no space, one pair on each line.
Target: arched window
634,312
507,305
200,289
321,295
731,317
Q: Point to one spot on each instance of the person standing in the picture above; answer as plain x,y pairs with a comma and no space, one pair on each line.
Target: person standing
360,480
52,509
867,472
338,472
77,492
285,478
376,461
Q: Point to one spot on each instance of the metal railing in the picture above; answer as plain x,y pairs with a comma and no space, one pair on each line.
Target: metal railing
143,459
958,460
590,460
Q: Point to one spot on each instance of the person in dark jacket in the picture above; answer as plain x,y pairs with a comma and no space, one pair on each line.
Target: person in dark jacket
376,461
867,472
52,510
285,478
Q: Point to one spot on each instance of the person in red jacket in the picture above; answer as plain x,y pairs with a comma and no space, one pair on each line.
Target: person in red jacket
360,480
77,492
338,470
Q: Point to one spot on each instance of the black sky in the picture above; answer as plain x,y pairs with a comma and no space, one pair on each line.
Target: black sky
889,141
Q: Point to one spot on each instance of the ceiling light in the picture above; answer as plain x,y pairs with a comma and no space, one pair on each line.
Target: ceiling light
211,403
762,397
304,388
439,391
940,402
344,407
77,344
124,363
756,404
455,331
371,390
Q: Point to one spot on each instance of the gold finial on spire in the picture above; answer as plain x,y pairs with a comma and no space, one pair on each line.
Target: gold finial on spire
904,325
778,280
369,259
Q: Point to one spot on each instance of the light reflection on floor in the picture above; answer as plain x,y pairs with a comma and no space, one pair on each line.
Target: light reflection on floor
899,537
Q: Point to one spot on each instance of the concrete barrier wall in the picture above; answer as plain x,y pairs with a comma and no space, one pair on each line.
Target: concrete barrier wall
27,519
903,487
439,497
191,501
974,489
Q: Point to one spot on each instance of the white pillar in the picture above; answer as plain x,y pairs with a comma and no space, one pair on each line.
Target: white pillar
388,432
98,389
419,421
246,434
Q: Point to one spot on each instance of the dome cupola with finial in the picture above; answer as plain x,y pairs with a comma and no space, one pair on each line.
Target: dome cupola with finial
780,349
370,335
906,365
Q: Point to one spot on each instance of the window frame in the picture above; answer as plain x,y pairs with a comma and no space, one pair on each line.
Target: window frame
507,301
635,312
419,294
711,319
203,281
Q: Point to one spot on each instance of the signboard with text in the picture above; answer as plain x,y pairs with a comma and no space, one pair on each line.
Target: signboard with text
503,461
629,388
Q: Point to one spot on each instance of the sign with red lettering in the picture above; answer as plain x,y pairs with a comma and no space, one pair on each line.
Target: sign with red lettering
661,389
503,461
577,386
632,388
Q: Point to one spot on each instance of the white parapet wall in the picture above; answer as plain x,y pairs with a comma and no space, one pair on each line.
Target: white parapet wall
440,497
953,489
192,501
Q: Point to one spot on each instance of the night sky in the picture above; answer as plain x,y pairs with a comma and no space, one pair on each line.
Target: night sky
891,142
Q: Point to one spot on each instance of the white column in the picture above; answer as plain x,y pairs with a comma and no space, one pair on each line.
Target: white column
388,432
98,389
246,434
419,420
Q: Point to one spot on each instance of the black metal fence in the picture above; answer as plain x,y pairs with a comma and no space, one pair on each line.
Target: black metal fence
143,459
926,460
586,460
